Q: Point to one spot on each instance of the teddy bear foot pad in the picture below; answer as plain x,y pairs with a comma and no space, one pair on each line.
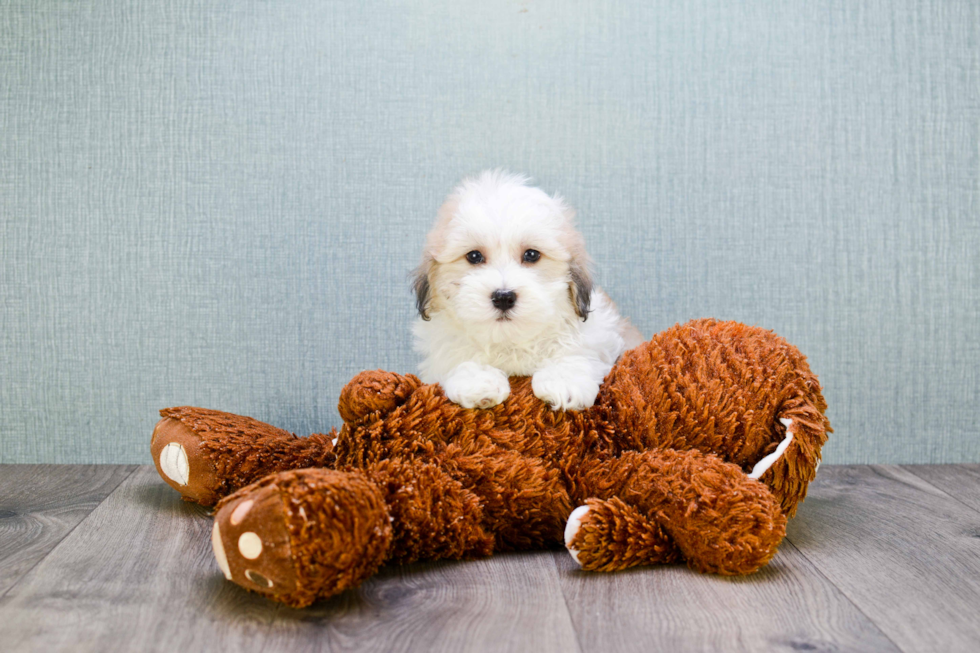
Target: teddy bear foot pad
251,542
181,462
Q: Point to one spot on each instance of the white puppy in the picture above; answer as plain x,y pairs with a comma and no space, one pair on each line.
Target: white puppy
503,290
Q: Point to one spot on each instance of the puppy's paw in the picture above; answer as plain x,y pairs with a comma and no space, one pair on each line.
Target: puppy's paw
472,385
564,390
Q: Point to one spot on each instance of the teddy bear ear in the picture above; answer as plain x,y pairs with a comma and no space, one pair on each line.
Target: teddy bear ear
375,392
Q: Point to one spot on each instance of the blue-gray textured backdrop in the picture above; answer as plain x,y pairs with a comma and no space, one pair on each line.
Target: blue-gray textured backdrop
218,203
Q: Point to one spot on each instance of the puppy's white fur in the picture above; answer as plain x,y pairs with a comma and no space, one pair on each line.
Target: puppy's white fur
562,331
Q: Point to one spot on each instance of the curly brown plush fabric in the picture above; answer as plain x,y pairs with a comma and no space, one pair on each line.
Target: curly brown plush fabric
618,535
661,461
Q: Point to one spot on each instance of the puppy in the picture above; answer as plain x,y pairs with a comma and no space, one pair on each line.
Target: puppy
504,289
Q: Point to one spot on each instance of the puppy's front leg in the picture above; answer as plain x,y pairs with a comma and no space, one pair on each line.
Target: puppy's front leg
569,383
472,385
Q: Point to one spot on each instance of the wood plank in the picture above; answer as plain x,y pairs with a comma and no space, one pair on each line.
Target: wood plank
510,602
787,606
959,481
903,551
138,574
41,504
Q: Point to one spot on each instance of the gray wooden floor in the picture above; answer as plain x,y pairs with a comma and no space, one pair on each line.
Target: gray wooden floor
107,558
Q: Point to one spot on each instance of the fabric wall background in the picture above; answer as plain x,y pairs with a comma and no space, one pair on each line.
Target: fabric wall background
218,203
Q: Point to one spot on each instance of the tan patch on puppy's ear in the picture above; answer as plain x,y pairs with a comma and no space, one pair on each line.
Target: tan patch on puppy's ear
434,242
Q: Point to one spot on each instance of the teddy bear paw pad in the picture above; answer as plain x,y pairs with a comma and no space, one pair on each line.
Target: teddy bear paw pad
173,462
251,542
182,461
571,529
219,550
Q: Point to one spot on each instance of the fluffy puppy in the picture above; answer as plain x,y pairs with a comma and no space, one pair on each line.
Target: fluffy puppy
504,289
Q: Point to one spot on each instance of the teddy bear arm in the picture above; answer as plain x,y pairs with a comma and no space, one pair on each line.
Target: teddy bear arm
721,520
612,535
797,456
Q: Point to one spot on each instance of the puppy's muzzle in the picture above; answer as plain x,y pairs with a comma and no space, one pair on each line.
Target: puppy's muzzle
503,300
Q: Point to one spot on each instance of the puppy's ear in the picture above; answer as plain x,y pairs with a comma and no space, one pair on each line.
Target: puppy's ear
422,287
579,274
580,287
434,243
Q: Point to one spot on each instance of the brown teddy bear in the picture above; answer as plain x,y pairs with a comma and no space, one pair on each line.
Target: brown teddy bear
700,444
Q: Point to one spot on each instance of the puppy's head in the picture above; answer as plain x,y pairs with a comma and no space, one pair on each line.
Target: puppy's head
504,259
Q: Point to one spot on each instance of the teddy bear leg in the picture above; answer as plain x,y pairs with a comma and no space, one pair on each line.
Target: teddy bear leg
721,520
304,535
207,454
610,535
301,535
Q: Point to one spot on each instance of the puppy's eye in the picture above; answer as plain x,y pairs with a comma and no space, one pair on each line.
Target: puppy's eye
475,257
532,256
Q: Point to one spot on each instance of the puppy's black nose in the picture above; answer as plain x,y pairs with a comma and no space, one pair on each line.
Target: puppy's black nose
503,299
